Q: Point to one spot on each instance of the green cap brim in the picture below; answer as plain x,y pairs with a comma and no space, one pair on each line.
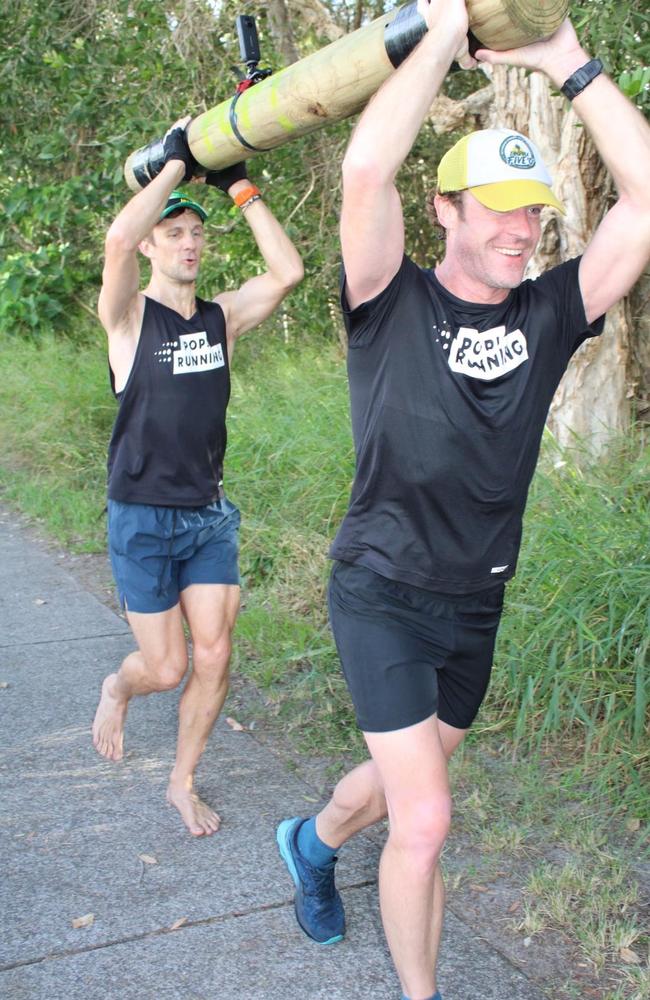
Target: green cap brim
177,200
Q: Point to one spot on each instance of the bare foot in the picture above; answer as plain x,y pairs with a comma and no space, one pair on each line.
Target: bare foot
108,726
199,819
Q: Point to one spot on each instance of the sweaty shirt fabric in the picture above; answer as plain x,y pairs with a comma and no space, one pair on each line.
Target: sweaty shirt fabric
448,404
169,437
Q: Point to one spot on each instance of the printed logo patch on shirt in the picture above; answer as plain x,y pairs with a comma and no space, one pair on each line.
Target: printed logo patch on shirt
194,353
489,354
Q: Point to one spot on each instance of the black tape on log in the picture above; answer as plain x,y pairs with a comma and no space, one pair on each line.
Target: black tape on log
473,43
403,33
148,162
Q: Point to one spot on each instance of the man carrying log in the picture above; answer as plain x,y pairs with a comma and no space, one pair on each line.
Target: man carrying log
173,534
451,372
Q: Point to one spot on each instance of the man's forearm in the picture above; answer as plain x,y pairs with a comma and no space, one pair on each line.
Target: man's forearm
282,259
142,212
280,256
618,129
390,123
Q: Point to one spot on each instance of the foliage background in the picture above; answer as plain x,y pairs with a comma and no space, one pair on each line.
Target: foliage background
84,84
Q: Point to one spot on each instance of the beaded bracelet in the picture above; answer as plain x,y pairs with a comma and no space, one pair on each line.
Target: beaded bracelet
253,197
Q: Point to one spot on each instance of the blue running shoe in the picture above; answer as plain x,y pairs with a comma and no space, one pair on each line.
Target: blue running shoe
319,908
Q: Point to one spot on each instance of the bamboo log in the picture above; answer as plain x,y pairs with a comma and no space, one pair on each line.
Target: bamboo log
336,82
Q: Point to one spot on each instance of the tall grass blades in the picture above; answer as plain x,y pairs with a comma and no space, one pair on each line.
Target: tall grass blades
572,655
56,413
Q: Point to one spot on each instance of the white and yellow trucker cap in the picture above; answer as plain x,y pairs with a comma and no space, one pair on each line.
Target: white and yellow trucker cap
503,170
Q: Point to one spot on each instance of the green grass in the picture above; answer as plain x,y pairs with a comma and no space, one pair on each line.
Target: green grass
56,413
551,849
570,673
593,899
572,657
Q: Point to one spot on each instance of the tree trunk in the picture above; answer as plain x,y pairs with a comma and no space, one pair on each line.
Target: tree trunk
281,30
593,399
640,321
317,16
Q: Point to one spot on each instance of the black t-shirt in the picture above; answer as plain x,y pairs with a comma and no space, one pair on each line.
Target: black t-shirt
169,438
448,403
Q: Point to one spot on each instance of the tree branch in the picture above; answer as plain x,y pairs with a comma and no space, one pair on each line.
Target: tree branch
447,115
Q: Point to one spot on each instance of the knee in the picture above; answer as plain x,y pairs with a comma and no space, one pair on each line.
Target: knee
422,828
171,672
210,660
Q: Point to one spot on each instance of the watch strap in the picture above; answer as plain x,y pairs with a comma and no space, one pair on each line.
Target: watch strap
582,77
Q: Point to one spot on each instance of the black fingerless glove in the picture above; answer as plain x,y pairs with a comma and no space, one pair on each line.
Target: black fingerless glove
225,178
175,147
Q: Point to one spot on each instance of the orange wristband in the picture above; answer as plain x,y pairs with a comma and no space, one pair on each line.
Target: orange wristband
243,196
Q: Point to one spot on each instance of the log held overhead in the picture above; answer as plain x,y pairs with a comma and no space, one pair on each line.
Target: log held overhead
336,82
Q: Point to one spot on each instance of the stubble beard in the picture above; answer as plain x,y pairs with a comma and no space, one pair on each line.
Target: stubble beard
494,278
180,275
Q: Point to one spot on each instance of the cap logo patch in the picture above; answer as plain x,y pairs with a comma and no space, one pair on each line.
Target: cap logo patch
516,152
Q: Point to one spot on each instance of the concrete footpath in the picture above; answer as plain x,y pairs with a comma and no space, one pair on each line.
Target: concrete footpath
168,917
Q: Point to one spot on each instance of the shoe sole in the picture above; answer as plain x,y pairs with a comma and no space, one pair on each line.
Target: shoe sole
283,834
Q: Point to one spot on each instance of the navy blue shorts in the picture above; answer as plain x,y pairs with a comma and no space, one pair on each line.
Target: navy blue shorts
407,652
156,552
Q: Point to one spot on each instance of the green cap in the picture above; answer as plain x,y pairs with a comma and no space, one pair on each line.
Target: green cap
178,200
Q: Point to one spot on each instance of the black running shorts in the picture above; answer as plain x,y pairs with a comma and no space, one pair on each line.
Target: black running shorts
407,652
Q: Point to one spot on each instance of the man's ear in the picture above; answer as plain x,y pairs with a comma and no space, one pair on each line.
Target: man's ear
446,211
147,246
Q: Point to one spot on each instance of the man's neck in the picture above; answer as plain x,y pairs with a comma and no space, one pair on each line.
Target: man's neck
181,297
456,281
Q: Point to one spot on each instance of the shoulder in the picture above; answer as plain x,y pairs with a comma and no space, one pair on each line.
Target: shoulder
211,307
388,308
556,284
407,274
213,312
557,293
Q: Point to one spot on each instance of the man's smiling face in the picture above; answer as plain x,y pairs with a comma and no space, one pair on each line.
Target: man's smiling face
489,250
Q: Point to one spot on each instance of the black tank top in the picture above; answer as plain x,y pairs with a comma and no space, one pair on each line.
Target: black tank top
169,438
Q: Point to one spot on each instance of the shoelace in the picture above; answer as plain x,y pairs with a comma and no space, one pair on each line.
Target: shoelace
321,879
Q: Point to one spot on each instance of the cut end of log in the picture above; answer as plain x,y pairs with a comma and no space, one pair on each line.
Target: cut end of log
508,24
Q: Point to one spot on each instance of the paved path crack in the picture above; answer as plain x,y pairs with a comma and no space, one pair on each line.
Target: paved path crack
72,638
161,931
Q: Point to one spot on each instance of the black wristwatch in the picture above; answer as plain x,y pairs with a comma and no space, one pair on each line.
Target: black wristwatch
581,78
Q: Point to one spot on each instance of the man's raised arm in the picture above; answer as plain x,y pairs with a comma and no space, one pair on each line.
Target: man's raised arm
120,279
372,227
620,247
255,300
